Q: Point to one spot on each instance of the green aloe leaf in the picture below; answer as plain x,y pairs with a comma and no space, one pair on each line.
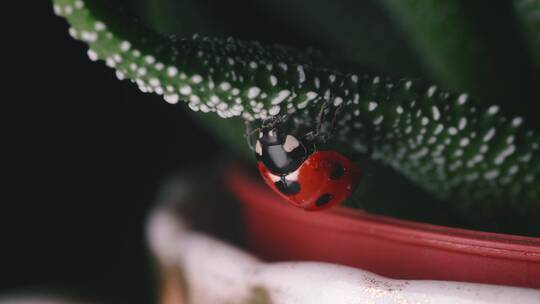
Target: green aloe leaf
186,16
358,32
471,46
528,13
459,150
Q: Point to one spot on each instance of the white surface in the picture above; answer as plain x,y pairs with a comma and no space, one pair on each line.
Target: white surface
216,272
20,299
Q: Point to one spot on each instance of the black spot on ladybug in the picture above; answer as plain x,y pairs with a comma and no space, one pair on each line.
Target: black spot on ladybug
336,172
323,199
287,187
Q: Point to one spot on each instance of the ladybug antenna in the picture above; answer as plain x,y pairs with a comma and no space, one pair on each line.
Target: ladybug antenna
273,121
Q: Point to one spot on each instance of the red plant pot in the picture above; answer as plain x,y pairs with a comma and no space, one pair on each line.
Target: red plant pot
390,247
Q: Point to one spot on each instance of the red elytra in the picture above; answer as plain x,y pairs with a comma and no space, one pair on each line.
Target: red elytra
325,179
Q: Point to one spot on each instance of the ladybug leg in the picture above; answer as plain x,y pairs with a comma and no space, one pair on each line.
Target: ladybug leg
311,136
248,135
325,110
337,111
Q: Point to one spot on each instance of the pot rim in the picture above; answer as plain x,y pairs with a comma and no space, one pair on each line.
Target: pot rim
355,222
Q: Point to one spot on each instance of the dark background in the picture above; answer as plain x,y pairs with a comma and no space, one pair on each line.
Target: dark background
85,154
85,157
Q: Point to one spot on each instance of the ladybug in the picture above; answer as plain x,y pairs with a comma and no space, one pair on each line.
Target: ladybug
309,179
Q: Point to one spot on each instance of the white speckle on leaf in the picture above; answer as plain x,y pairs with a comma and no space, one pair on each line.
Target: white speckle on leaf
408,130
301,74
125,46
159,66
68,10
438,129
436,114
273,80
194,99
89,36
110,62
316,82
332,77
462,123
431,91
79,4
154,82
311,95
92,55
516,122
99,26
117,58
57,9
172,71
141,71
274,110
462,99
493,110
504,154
222,105
489,135
196,79
513,170
185,90
253,92
204,108
120,75
225,86
149,59
378,120
280,97
171,98
491,174
73,32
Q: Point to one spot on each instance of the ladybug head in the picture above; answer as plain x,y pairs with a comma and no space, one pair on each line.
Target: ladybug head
271,136
279,152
